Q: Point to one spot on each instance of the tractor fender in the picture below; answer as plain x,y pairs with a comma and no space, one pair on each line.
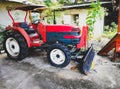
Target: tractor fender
25,35
22,32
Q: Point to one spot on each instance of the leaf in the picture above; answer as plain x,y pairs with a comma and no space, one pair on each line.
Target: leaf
93,14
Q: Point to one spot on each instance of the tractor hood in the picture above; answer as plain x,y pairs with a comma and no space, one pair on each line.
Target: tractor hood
62,28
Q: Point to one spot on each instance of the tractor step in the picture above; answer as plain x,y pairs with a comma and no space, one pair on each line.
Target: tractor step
36,43
34,36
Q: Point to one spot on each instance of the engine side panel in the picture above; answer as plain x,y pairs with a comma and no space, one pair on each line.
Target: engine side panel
53,37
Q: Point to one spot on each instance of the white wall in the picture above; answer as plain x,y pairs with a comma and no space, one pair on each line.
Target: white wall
67,19
4,17
98,27
82,17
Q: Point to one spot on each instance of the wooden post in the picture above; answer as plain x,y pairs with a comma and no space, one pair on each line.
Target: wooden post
54,15
119,19
30,16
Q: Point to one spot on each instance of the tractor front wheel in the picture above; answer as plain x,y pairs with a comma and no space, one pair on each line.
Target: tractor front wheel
58,55
15,46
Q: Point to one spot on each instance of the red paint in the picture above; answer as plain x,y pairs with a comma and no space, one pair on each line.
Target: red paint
31,41
34,26
84,35
42,30
35,36
22,32
117,46
25,16
59,28
113,43
13,21
11,16
16,24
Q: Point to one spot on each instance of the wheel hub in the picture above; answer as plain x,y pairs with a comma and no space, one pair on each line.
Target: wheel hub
57,56
12,46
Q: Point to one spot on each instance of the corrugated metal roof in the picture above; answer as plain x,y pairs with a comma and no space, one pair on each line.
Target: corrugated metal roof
22,1
17,0
83,5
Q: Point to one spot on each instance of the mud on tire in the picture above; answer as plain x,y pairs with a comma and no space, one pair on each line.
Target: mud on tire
15,46
58,55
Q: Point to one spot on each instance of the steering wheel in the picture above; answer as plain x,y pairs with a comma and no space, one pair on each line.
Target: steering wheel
36,21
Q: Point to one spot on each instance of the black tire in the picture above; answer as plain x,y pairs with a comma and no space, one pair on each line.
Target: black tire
17,48
57,51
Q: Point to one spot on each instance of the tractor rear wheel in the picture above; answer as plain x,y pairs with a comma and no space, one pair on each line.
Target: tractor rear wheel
58,55
15,46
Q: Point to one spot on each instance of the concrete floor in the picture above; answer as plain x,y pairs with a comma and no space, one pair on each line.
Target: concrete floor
34,72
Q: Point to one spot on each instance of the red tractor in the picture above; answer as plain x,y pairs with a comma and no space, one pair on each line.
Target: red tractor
61,41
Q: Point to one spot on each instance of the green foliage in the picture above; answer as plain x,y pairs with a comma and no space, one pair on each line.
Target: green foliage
1,36
48,3
1,33
94,12
62,1
49,12
36,1
110,30
51,6
70,1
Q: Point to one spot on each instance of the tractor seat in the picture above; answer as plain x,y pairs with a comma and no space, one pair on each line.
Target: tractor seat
25,26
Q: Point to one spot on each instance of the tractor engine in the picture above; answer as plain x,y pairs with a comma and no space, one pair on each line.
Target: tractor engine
63,34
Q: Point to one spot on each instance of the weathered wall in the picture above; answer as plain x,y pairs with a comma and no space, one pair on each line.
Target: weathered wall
4,18
82,14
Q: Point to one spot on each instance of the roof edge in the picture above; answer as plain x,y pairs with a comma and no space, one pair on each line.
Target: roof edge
83,5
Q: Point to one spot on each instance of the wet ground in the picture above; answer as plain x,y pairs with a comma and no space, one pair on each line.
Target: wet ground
34,72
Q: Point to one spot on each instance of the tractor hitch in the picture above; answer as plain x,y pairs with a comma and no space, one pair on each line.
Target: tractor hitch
85,60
